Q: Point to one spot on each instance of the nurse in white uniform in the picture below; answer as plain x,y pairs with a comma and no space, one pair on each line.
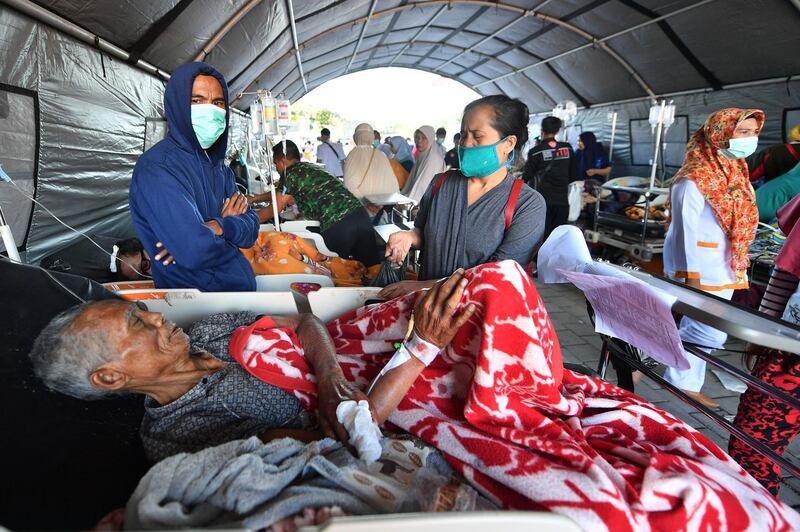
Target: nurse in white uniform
714,217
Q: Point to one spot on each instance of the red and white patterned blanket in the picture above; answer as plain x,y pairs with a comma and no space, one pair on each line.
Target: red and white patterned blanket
525,431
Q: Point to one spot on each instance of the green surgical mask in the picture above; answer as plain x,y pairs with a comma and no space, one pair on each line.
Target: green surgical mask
208,122
376,143
481,161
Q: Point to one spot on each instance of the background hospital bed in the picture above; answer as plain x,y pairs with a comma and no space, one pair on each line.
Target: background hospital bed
643,239
736,321
302,228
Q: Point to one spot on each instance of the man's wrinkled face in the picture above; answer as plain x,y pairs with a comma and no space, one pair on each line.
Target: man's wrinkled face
146,345
207,89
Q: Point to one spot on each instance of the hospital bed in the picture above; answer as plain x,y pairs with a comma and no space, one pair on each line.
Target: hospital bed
739,322
644,238
184,307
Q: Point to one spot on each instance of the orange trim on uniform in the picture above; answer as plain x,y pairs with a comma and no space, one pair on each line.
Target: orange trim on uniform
736,286
687,275
710,245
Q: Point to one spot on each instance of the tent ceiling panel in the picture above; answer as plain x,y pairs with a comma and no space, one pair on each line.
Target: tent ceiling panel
744,44
171,48
661,7
121,21
244,42
528,47
661,64
609,18
610,80
260,71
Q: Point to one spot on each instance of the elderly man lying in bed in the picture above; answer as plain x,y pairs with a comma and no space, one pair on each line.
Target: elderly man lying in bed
483,381
197,394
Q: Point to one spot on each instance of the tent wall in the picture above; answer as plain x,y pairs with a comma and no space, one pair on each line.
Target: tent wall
92,114
774,99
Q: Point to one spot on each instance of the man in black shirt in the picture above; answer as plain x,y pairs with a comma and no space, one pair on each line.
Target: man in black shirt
550,169
451,157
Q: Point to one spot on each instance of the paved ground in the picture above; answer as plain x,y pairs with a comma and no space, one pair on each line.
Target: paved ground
580,344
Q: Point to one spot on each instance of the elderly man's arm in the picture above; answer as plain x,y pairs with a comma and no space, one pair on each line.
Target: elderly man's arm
332,387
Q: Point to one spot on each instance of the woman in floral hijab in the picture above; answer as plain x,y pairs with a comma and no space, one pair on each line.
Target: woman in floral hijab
714,217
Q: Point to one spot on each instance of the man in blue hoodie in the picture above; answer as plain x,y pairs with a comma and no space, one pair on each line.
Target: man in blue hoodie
183,197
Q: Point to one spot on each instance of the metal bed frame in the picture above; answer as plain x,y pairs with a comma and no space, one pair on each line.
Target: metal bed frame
639,245
736,321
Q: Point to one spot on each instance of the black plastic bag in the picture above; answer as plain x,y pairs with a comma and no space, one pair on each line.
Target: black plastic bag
390,273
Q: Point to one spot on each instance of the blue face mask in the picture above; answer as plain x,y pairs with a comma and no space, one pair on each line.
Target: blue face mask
740,148
481,161
208,122
376,143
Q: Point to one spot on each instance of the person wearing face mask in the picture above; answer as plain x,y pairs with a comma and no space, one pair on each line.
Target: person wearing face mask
345,224
479,213
429,163
367,171
714,217
441,135
183,197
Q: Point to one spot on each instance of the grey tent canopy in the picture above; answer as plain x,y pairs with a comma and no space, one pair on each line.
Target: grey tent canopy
542,51
82,81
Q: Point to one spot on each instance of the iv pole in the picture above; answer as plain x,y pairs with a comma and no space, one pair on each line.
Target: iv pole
613,133
261,145
659,128
8,239
5,229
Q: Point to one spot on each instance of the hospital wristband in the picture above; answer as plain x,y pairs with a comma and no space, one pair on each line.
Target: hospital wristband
421,349
414,347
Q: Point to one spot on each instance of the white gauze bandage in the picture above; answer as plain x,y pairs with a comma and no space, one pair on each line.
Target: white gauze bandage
364,433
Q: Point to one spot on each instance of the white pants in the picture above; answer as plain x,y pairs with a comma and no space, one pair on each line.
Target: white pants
698,333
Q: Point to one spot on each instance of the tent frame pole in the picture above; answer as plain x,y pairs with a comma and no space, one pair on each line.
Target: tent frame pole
49,18
290,9
420,32
214,41
361,36
601,43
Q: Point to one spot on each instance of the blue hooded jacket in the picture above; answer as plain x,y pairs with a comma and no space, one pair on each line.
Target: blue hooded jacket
177,187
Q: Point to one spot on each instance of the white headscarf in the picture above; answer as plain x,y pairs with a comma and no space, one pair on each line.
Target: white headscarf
402,151
366,170
429,163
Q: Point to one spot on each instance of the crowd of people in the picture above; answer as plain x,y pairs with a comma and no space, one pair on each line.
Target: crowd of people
481,204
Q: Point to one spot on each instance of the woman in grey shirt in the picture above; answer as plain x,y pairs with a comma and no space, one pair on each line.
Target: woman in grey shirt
476,214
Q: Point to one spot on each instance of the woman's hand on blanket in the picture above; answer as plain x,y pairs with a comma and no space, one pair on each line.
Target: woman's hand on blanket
398,246
163,255
435,318
333,389
391,291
